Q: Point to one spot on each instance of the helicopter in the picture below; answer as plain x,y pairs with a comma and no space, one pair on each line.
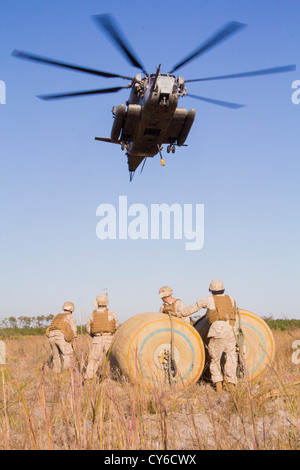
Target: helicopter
151,116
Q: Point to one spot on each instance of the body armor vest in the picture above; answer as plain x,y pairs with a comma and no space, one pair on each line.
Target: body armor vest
224,310
59,323
101,323
170,308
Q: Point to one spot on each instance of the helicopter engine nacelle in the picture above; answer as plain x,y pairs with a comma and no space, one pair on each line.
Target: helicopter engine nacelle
131,122
118,123
186,127
181,87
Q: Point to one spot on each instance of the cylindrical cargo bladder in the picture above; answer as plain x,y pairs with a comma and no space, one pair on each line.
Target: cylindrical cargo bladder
141,350
258,346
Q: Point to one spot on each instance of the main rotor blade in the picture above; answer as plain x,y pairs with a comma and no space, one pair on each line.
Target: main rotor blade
228,30
227,104
107,23
82,93
45,60
284,68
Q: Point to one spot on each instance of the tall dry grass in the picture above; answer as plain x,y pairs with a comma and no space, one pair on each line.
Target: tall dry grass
39,410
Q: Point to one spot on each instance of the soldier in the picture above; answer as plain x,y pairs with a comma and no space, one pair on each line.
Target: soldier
62,334
222,334
101,325
170,304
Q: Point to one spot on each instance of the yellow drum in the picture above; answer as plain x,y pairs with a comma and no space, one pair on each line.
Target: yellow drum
258,348
141,350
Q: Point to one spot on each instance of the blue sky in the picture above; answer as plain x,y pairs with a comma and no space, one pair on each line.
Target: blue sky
243,165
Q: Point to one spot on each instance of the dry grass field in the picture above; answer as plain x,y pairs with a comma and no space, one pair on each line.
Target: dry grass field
41,411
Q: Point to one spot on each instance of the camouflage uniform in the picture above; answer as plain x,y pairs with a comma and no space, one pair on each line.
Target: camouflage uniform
62,350
179,307
222,339
100,341
171,305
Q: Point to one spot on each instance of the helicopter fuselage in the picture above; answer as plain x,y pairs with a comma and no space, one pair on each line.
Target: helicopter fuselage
152,117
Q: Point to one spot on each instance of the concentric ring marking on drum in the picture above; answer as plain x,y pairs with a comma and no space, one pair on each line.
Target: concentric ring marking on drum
248,319
160,349
270,336
164,330
263,344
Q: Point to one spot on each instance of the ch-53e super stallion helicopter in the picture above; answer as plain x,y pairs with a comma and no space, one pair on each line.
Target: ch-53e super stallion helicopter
151,117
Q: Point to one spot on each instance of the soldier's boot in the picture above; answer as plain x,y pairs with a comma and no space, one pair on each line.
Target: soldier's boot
219,387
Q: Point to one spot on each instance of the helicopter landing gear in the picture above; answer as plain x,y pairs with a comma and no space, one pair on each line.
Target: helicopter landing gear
124,146
162,162
171,148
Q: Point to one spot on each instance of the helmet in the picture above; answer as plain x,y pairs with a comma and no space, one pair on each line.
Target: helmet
216,285
101,301
165,291
69,307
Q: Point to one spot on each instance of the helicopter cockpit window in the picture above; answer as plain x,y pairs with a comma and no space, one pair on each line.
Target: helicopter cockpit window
167,75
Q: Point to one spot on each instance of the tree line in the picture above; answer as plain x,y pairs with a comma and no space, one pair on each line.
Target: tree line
41,321
12,327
